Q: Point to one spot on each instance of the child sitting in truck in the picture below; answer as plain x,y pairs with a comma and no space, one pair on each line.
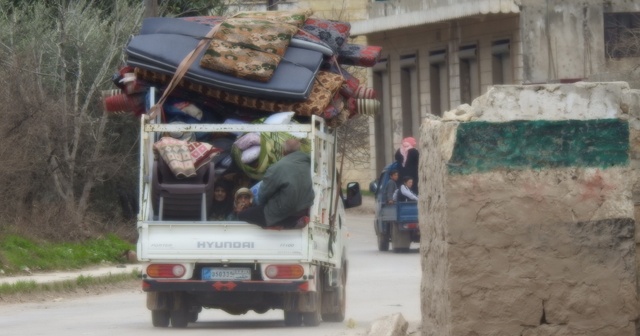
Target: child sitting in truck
242,201
404,194
390,188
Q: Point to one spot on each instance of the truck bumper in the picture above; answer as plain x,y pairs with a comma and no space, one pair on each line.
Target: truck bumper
224,286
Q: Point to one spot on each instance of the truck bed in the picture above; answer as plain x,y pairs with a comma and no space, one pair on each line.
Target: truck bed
402,212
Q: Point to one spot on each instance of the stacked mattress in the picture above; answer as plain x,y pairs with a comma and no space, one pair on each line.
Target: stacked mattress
309,76
164,42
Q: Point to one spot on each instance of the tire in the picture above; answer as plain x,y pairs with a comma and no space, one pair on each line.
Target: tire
383,242
292,319
180,318
401,240
193,316
160,318
313,319
339,296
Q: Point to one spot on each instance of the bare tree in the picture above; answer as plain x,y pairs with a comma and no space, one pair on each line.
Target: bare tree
56,60
622,35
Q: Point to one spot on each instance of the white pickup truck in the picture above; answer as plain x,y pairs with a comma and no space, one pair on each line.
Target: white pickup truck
236,266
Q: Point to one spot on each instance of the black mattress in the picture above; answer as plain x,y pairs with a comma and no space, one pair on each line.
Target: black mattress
162,52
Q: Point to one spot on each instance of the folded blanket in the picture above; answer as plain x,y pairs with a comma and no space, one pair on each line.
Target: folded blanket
295,17
248,48
359,55
301,39
182,157
333,33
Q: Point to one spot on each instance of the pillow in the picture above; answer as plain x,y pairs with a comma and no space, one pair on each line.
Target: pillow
359,55
251,154
281,118
248,140
333,33
248,48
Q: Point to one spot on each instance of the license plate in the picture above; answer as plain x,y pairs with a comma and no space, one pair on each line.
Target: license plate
226,273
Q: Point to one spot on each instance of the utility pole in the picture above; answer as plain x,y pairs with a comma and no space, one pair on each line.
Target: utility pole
150,8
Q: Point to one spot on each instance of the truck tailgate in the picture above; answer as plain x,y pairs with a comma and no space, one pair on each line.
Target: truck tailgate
214,242
403,212
407,212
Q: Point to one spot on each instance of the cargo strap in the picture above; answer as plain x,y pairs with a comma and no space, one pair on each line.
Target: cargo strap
181,71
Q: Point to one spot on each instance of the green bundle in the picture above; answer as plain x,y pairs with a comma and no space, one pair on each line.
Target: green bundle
271,145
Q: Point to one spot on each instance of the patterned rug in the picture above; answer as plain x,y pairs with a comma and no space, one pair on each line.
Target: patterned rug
182,157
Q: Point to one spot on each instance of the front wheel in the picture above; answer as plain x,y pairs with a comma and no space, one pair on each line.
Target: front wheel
383,242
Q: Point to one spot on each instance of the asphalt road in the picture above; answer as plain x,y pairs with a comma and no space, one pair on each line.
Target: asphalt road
379,284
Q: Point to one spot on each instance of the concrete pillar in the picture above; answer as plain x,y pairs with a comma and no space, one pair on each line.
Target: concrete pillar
526,214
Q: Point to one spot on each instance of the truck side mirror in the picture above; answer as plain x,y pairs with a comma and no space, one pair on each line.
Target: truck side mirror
354,197
373,186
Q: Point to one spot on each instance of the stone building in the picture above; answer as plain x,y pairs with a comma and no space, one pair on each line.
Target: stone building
439,54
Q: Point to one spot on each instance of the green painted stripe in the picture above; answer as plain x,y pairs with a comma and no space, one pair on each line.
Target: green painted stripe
487,146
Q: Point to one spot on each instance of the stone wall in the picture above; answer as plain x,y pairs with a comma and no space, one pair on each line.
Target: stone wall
527,213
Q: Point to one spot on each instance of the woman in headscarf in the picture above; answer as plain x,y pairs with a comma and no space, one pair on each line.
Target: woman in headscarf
222,204
407,157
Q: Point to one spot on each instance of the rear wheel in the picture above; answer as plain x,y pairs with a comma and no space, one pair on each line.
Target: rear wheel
313,318
401,240
292,318
337,300
160,318
180,318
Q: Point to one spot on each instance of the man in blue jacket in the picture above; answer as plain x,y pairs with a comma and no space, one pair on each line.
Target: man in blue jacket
286,193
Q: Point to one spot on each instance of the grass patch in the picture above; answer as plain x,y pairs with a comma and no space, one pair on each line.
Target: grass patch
18,253
26,287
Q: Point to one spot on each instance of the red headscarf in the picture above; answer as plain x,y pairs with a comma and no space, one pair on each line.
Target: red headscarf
407,143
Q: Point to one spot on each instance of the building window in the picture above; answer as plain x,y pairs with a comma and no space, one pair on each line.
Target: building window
382,120
501,62
469,74
409,96
438,81
622,35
